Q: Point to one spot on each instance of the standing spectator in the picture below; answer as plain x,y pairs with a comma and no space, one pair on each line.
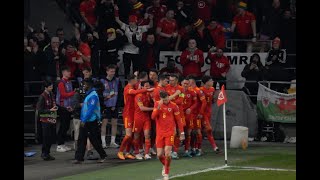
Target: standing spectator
157,10
74,60
171,68
64,102
112,87
139,11
254,71
271,21
47,111
149,52
53,60
276,56
87,8
202,36
220,66
192,60
182,15
85,51
131,52
95,46
217,33
63,41
90,115
288,32
245,25
203,9
183,37
167,31
105,15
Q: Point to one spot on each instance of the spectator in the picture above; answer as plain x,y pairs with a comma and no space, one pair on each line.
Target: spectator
220,66
245,25
95,46
131,52
85,51
138,10
74,60
183,38
105,15
157,10
53,60
217,33
202,36
63,41
254,71
182,15
90,114
148,52
171,68
64,102
288,32
167,31
203,9
41,34
112,87
192,60
276,56
271,21
87,8
47,111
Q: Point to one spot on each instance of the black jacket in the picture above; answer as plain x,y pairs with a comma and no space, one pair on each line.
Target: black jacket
49,63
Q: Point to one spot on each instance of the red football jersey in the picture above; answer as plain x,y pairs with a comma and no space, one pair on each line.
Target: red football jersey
190,98
167,118
188,62
243,23
128,94
200,105
209,93
88,9
156,92
142,99
218,36
167,26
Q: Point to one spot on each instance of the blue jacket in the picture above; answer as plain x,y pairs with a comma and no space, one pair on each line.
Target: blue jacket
111,86
90,110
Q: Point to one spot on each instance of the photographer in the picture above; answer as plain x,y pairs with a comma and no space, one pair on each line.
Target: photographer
47,111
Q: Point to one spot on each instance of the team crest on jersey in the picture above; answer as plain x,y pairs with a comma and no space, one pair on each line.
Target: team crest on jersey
188,95
169,109
201,4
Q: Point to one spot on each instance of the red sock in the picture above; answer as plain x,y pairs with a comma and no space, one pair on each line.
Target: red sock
187,145
136,146
129,144
162,159
199,141
167,164
147,145
124,143
176,144
211,139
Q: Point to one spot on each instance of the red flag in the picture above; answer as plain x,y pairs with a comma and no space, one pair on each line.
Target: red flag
222,97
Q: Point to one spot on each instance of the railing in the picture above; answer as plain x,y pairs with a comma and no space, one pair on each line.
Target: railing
232,41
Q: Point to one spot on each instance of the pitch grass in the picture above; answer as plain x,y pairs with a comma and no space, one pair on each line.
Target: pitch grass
269,157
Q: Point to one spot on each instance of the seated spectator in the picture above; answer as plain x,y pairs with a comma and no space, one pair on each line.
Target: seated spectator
131,52
203,9
217,33
219,67
244,27
192,60
202,36
157,10
183,38
182,15
171,68
87,8
167,31
148,52
254,71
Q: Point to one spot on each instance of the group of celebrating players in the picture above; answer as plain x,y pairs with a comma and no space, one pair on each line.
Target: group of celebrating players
163,113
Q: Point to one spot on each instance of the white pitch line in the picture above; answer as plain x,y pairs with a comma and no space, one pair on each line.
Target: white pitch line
261,168
196,172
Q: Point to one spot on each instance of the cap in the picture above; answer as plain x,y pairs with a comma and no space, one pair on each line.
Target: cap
242,5
137,5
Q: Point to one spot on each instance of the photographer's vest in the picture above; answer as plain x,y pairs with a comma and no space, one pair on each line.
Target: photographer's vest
64,102
110,87
49,103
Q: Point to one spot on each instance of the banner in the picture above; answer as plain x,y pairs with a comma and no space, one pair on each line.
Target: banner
237,63
275,106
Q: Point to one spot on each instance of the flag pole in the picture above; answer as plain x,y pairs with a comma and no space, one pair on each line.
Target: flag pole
225,135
